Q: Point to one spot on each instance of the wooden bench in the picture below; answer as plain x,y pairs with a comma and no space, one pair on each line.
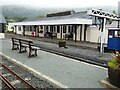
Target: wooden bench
22,44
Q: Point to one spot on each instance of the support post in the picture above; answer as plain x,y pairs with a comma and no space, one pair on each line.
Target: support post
75,28
81,32
102,38
61,31
23,30
15,29
3,28
118,24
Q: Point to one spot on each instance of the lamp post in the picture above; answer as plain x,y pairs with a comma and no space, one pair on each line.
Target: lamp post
102,38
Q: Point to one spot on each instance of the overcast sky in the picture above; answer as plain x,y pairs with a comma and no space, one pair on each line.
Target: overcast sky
61,3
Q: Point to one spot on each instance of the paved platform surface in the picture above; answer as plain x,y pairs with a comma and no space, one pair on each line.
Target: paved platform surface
68,72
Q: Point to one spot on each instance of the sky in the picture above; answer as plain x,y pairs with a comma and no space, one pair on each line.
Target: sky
60,3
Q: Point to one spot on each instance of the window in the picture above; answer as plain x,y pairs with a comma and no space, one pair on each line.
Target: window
117,34
27,28
111,34
58,29
64,29
19,28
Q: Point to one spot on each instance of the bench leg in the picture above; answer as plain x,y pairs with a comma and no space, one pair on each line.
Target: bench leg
15,47
22,50
29,53
32,53
35,52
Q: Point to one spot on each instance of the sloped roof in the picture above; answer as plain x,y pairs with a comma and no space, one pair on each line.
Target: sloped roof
2,19
82,14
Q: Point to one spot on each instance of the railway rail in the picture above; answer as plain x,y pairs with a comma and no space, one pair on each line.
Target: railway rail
15,78
8,83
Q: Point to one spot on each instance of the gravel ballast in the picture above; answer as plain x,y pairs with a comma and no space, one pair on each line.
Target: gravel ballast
35,81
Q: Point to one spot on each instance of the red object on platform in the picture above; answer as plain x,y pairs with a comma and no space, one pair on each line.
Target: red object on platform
32,34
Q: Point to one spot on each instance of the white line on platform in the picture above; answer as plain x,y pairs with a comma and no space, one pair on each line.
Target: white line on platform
81,62
36,73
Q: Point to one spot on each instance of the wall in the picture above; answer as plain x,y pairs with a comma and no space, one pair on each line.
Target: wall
78,33
88,34
83,26
28,33
10,25
95,34
2,35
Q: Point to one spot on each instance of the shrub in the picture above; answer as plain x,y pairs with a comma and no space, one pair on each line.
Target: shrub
115,63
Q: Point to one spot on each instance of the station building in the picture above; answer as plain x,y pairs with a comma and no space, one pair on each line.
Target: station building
71,25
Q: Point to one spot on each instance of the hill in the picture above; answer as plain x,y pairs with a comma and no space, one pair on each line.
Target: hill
32,12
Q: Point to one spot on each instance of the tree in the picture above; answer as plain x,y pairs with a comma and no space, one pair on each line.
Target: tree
114,12
110,20
19,19
40,17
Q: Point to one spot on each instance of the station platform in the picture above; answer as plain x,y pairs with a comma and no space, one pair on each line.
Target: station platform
66,72
84,50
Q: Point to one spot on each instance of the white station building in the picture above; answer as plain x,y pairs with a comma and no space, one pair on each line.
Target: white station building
77,26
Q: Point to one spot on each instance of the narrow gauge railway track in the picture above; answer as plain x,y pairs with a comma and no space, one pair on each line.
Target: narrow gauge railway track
17,77
102,64
14,77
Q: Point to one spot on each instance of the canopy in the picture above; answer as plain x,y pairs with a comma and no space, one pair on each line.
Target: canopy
57,22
